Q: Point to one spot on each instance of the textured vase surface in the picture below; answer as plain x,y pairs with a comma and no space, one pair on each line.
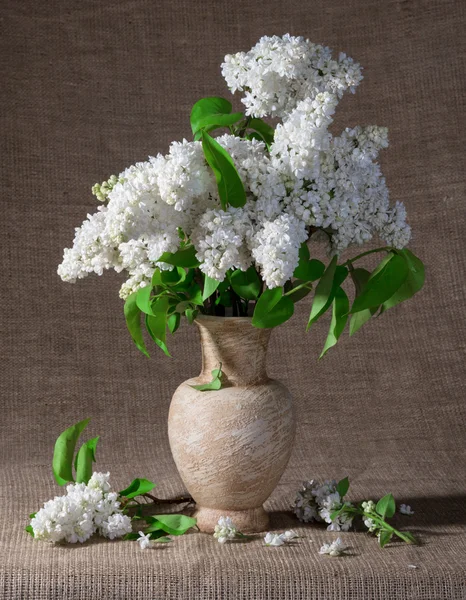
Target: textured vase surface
232,445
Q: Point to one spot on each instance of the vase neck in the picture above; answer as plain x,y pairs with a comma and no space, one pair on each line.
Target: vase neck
238,345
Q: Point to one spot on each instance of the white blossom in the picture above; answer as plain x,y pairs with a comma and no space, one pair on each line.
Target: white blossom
317,502
225,530
274,539
143,540
335,548
405,509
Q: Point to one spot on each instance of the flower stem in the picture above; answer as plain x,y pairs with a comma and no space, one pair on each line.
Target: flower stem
351,260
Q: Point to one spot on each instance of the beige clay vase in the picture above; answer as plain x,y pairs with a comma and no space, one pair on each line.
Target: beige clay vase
232,445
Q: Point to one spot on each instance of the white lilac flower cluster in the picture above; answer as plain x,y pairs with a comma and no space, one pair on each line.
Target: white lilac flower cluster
225,530
307,179
316,502
83,511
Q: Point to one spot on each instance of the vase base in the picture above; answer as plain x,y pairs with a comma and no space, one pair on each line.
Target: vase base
252,520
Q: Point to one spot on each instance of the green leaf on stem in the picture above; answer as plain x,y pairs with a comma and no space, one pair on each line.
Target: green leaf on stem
343,487
299,290
29,530
230,186
215,384
272,309
62,463
386,506
384,537
172,524
173,322
264,129
191,314
360,278
84,459
137,487
385,280
152,322
133,322
210,286
157,322
308,270
326,289
185,257
144,299
246,283
339,318
212,112
413,282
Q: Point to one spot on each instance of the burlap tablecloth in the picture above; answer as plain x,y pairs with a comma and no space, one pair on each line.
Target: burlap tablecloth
87,89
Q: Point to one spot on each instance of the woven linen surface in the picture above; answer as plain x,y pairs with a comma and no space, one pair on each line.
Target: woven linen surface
91,87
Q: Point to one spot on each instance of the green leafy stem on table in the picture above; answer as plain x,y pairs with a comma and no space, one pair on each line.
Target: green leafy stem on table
384,509
187,291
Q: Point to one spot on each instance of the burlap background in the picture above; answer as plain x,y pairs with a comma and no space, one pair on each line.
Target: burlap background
87,89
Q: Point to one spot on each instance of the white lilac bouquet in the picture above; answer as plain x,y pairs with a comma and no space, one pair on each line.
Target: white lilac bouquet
221,225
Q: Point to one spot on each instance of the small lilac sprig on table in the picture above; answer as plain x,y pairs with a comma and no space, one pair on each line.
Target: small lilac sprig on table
90,506
316,502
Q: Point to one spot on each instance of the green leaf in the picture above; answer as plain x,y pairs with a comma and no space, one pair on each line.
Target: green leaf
308,270
194,294
173,278
343,487
133,322
150,321
137,487
413,283
339,318
62,463
159,538
215,384
212,112
323,292
172,524
143,299
84,459
173,322
30,530
360,278
272,309
246,283
230,186
186,257
266,131
191,315
386,506
158,322
383,283
210,285
384,537
32,515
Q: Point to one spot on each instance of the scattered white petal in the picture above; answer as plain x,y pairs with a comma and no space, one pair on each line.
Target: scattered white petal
336,548
405,509
144,540
413,566
274,539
